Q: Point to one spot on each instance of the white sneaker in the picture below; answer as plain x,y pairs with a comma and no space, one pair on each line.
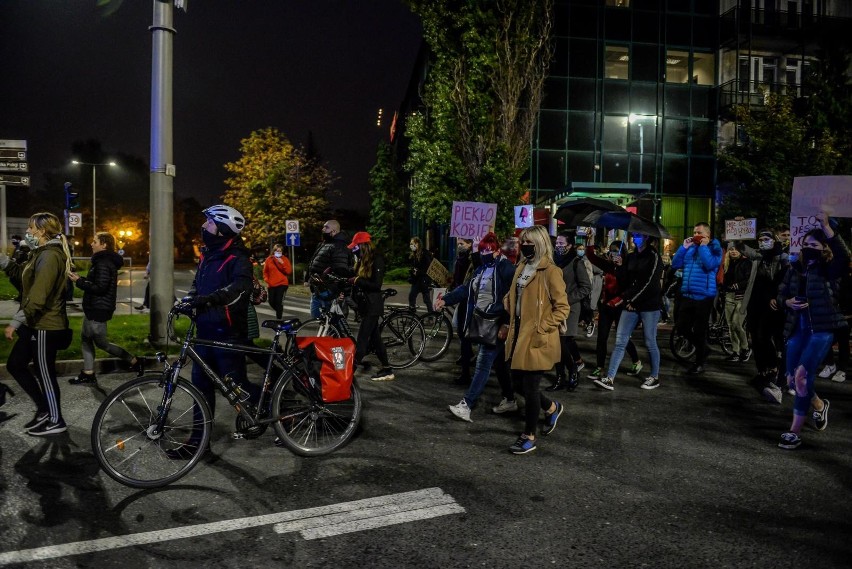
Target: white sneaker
839,377
827,371
462,411
505,406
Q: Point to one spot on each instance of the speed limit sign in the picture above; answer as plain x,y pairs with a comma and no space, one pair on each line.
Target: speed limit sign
75,220
293,226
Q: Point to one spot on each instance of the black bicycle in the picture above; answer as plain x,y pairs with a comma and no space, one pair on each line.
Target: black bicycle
153,430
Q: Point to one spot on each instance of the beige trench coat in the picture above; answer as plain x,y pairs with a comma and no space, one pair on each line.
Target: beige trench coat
544,304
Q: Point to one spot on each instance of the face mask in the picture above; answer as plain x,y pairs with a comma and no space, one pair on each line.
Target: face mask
561,249
278,254
326,237
528,250
765,245
679,274
356,251
211,240
638,241
31,240
413,247
809,254
581,252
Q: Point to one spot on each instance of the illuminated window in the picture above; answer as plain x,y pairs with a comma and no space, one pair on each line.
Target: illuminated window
618,3
703,68
677,66
617,61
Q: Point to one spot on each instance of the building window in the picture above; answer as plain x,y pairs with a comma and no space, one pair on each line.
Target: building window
703,68
618,3
677,66
615,133
617,62
675,136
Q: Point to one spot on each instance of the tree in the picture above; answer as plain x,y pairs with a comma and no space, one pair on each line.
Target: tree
472,140
272,182
779,145
387,206
829,102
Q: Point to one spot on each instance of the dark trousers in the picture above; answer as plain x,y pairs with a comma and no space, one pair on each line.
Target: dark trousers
418,288
535,399
370,337
277,294
693,320
39,347
570,355
766,328
607,316
222,362
841,336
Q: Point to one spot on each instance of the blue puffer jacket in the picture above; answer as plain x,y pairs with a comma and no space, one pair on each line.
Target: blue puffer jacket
503,274
224,278
700,263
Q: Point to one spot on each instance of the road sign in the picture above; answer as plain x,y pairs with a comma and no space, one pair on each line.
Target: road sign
14,150
294,239
293,226
9,166
12,154
75,219
9,180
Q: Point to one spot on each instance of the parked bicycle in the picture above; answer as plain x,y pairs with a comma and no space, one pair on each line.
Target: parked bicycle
717,334
439,334
153,430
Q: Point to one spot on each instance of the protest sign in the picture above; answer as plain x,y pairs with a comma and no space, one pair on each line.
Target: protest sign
813,194
438,273
524,216
472,220
739,229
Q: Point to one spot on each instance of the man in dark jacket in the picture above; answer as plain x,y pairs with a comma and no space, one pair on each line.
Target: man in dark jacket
220,293
99,296
331,255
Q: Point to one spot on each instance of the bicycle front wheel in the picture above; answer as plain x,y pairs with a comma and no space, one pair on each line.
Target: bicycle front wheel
127,442
404,338
308,426
682,349
318,327
439,334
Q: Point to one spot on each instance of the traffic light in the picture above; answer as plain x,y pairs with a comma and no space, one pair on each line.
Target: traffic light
72,197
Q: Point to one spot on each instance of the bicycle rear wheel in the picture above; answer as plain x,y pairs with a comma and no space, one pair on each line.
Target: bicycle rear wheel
308,426
439,334
682,349
125,439
318,327
404,338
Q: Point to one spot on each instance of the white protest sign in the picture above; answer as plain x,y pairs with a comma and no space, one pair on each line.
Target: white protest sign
739,229
813,194
524,216
472,220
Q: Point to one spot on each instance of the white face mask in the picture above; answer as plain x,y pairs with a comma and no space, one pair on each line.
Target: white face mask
31,240
765,245
413,247
278,254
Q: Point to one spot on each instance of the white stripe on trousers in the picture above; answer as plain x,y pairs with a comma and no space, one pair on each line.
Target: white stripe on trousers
47,384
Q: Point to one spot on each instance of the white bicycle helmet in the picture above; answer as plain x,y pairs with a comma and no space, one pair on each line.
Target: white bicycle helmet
226,218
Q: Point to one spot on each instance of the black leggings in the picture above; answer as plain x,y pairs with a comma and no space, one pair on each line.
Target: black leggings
277,294
369,336
531,381
39,347
841,336
570,356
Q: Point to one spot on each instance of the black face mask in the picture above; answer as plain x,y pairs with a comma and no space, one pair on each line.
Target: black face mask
327,237
809,254
213,241
528,251
486,258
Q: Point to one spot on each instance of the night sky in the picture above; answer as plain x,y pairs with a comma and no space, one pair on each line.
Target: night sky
71,73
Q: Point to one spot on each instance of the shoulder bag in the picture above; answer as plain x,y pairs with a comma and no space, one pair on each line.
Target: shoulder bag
483,326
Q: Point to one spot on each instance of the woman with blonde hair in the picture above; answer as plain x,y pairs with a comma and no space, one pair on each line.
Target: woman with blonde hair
537,304
41,322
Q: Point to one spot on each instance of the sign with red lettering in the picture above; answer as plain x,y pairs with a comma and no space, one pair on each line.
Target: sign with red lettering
813,194
472,220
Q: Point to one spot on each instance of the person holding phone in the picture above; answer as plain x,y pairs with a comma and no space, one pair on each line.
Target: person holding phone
699,257
810,293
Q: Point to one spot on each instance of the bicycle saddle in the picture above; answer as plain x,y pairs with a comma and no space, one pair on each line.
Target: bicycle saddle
388,292
281,325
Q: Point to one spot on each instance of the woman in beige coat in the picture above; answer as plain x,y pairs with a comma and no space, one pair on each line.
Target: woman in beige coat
537,304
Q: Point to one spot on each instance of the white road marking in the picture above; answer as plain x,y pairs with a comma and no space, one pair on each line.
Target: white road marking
313,523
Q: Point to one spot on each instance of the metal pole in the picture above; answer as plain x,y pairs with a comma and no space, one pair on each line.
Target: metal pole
94,201
3,228
162,171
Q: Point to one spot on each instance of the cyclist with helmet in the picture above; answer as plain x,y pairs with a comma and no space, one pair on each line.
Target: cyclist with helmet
221,293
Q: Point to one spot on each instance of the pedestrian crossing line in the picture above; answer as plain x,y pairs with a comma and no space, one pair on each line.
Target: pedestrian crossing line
313,523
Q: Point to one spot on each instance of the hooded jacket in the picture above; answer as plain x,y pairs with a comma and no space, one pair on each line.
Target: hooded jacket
700,264
642,274
100,285
43,283
224,280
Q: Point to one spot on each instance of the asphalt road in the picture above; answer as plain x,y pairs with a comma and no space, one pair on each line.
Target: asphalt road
688,475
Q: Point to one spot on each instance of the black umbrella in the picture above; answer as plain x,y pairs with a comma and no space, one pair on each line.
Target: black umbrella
572,212
627,221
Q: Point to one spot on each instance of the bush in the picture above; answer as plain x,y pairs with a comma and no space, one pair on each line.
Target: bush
398,275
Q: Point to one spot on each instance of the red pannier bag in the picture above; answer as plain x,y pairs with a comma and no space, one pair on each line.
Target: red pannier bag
333,360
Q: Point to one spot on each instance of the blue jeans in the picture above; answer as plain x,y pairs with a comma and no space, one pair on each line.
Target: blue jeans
486,358
317,303
628,322
806,348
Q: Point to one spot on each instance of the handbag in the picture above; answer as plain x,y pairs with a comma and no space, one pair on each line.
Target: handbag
259,294
483,328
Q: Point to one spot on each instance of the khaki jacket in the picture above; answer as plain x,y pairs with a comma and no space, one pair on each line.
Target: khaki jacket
544,305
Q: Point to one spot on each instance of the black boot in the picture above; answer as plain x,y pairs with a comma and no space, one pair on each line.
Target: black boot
83,378
572,382
559,385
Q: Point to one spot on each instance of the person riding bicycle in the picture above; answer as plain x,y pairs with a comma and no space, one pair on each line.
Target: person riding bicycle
367,282
220,293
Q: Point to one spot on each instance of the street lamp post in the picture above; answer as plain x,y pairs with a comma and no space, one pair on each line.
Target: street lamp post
94,189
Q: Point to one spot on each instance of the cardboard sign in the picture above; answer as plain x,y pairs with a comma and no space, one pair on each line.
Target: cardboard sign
472,220
813,194
739,229
438,273
524,216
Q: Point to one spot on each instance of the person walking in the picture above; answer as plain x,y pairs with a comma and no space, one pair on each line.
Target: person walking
420,260
482,295
99,288
578,287
835,369
462,269
810,293
642,274
333,256
699,257
41,323
368,279
276,273
737,270
537,304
